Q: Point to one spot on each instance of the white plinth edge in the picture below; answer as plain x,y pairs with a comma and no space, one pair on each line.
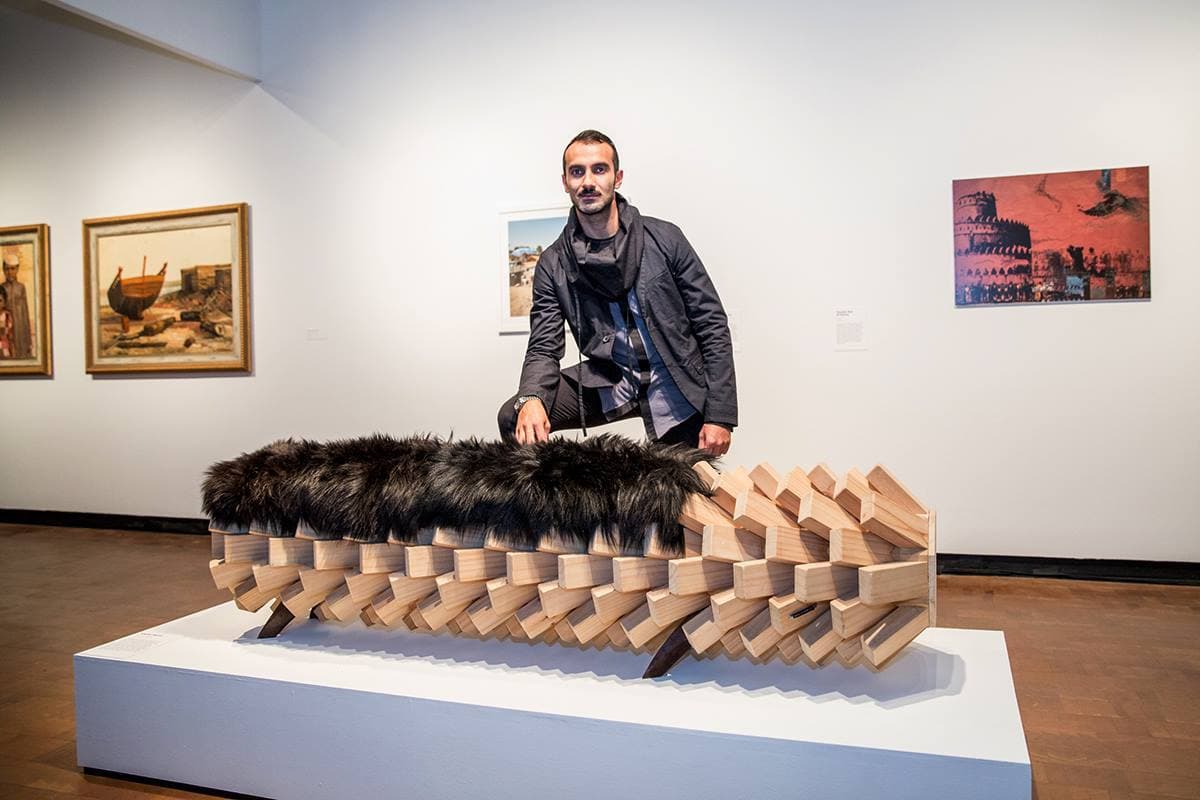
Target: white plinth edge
327,710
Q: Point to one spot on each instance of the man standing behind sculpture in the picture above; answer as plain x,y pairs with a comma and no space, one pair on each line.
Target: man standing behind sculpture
643,311
18,307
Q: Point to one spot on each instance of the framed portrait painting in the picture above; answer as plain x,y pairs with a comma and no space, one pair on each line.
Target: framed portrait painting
523,237
25,301
168,291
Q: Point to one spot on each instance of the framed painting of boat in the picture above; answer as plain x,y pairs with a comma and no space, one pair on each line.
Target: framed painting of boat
168,291
25,301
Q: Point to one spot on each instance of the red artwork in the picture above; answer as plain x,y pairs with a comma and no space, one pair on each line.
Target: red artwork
1053,237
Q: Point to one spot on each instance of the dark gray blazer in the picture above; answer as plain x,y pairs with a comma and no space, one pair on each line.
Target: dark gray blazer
682,311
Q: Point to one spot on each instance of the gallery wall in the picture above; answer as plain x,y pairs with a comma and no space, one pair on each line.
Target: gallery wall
806,149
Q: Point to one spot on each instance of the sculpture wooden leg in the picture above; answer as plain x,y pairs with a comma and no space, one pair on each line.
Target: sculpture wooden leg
280,619
670,652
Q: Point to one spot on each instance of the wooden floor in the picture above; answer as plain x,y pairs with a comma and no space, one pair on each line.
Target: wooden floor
1107,675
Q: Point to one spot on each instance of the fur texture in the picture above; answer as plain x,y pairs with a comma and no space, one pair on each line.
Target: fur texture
363,489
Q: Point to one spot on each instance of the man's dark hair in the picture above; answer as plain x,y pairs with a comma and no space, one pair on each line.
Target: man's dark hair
592,137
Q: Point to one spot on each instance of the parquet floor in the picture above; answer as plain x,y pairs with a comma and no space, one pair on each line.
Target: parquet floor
1107,675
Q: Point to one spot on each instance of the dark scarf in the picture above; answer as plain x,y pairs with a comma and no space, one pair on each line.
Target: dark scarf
611,274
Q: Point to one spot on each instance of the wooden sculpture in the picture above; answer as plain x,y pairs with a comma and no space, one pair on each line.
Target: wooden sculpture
567,543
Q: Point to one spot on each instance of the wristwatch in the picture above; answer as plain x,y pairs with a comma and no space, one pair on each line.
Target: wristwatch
523,400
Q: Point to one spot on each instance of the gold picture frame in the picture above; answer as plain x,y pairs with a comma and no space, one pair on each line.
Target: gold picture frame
191,314
25,330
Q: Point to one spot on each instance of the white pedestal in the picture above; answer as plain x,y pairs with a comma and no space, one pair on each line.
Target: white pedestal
327,710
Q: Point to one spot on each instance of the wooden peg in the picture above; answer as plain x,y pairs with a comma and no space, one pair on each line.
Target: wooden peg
823,479
791,491
851,616
666,608
789,614
882,584
756,513
818,638
882,481
820,515
893,632
731,544
384,557
558,601
888,520
850,490
271,579
825,581
241,548
730,611
583,571
758,635
795,546
335,554
284,552
763,578
527,568
858,548
227,576
478,564
630,574
766,479
696,575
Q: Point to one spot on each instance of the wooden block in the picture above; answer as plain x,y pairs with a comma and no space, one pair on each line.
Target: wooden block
335,554
656,548
427,561
699,511
533,619
639,627
365,587
630,574
756,513
793,546
388,609
600,546
299,600
823,479
465,626
887,485
216,541
227,576
248,597
731,643
702,631
849,651
271,579
730,611
792,489
852,616
850,490
820,515
585,623
887,520
818,638
708,474
384,557
506,598
696,575
453,627
321,580
559,545
858,548
305,531
766,479
454,538
459,593
727,489
666,608
240,548
341,605
882,584
479,564
790,650
282,552
758,635
527,568
789,614
762,578
485,616
824,581
435,612
893,632
616,635
729,543
564,632
611,605
557,601
410,591
581,571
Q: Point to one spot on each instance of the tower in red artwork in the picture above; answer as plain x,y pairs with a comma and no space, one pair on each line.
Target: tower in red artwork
992,256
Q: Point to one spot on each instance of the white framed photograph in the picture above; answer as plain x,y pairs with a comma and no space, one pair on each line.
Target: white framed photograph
523,237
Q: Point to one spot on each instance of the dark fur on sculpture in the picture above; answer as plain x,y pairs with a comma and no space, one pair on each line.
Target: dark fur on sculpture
363,489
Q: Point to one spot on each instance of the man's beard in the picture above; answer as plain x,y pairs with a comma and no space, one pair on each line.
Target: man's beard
603,209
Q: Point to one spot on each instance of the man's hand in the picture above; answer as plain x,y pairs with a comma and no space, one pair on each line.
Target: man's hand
713,438
532,423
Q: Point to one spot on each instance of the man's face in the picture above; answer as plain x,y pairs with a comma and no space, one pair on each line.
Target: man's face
590,179
10,272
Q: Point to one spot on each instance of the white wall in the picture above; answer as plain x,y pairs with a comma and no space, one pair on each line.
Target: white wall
807,151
